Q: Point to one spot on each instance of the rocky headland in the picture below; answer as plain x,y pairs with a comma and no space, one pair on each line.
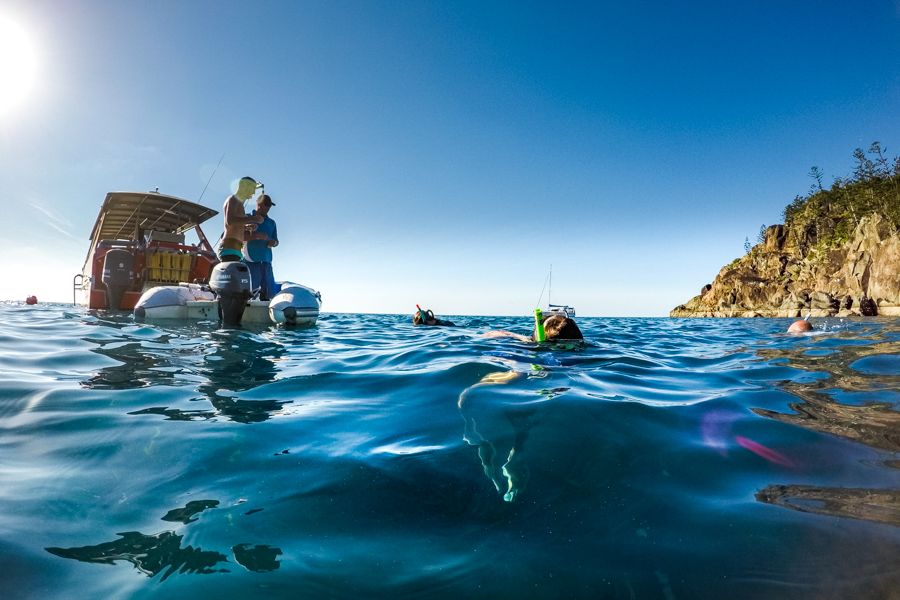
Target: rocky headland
837,254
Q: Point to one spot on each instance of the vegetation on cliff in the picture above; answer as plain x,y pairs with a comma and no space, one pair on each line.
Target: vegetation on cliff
837,253
826,218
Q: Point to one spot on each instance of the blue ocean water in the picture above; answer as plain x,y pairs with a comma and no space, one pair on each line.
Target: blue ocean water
367,458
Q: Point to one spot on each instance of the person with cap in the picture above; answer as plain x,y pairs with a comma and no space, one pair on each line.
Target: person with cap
237,221
258,249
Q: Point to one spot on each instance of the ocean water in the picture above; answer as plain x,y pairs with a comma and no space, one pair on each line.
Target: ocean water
368,458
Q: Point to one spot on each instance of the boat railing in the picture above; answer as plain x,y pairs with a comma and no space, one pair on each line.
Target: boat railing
77,282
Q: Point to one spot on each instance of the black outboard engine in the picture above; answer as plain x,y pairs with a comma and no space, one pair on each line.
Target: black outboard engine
118,273
231,283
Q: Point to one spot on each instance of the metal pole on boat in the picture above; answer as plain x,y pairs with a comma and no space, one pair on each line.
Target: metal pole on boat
550,289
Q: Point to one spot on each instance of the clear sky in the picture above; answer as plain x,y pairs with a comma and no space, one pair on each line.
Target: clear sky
445,153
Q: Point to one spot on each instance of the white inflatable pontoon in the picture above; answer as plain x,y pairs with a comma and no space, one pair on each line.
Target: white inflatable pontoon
295,305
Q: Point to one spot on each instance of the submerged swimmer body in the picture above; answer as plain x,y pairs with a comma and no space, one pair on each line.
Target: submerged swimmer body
498,431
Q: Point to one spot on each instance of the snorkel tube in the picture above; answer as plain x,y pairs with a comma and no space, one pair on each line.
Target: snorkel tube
421,313
539,334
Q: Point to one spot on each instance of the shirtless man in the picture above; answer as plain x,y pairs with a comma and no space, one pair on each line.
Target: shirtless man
236,221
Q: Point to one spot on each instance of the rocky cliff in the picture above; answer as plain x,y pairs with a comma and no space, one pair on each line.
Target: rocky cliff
791,273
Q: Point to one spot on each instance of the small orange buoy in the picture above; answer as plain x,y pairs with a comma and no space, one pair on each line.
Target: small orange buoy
31,300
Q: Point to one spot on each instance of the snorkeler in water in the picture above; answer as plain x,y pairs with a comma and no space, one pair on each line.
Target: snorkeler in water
553,328
426,317
800,326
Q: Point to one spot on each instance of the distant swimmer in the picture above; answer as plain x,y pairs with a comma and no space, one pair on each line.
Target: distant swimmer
552,329
426,317
800,326
31,300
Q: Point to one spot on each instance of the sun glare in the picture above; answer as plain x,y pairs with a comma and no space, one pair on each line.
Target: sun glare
17,65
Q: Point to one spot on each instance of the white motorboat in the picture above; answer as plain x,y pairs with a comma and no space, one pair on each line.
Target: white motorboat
139,259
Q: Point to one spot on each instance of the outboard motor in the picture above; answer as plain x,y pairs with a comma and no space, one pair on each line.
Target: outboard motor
231,283
118,273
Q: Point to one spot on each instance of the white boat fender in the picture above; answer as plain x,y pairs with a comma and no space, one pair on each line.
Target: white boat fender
295,305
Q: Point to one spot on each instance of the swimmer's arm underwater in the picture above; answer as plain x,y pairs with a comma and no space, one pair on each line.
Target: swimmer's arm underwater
502,333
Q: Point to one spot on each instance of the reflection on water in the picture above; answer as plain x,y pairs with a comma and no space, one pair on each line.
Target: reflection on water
240,362
260,558
873,423
186,515
162,552
881,506
139,367
150,554
389,465
221,364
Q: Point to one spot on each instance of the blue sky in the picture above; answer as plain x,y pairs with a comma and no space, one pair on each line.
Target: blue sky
446,153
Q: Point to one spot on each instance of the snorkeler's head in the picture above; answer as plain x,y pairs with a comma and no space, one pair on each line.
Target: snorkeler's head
423,317
800,326
558,327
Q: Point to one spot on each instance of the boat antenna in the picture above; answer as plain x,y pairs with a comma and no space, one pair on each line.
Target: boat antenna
210,178
550,289
544,288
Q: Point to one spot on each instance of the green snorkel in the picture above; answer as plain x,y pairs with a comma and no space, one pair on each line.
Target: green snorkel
539,334
422,314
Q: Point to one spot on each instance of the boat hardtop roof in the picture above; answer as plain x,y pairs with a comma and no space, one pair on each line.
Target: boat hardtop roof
124,214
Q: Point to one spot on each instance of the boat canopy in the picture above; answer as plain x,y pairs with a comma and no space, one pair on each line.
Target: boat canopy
127,215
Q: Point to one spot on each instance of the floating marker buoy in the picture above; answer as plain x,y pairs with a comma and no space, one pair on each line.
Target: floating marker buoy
31,300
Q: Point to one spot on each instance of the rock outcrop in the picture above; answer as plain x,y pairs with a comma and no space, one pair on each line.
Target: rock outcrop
789,275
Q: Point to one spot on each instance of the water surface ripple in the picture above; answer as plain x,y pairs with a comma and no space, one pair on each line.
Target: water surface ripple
365,457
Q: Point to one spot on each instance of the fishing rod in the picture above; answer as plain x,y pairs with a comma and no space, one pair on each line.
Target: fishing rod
210,178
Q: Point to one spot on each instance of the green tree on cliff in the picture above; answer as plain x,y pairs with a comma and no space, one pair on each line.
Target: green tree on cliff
828,216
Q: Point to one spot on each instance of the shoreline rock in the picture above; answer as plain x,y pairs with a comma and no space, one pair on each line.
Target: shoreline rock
789,275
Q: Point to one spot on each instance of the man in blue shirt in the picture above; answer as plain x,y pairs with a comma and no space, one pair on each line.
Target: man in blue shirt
258,250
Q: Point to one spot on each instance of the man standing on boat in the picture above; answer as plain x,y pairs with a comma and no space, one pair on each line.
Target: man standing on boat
236,221
258,250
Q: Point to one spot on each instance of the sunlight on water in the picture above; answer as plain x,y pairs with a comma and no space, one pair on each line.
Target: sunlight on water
664,458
